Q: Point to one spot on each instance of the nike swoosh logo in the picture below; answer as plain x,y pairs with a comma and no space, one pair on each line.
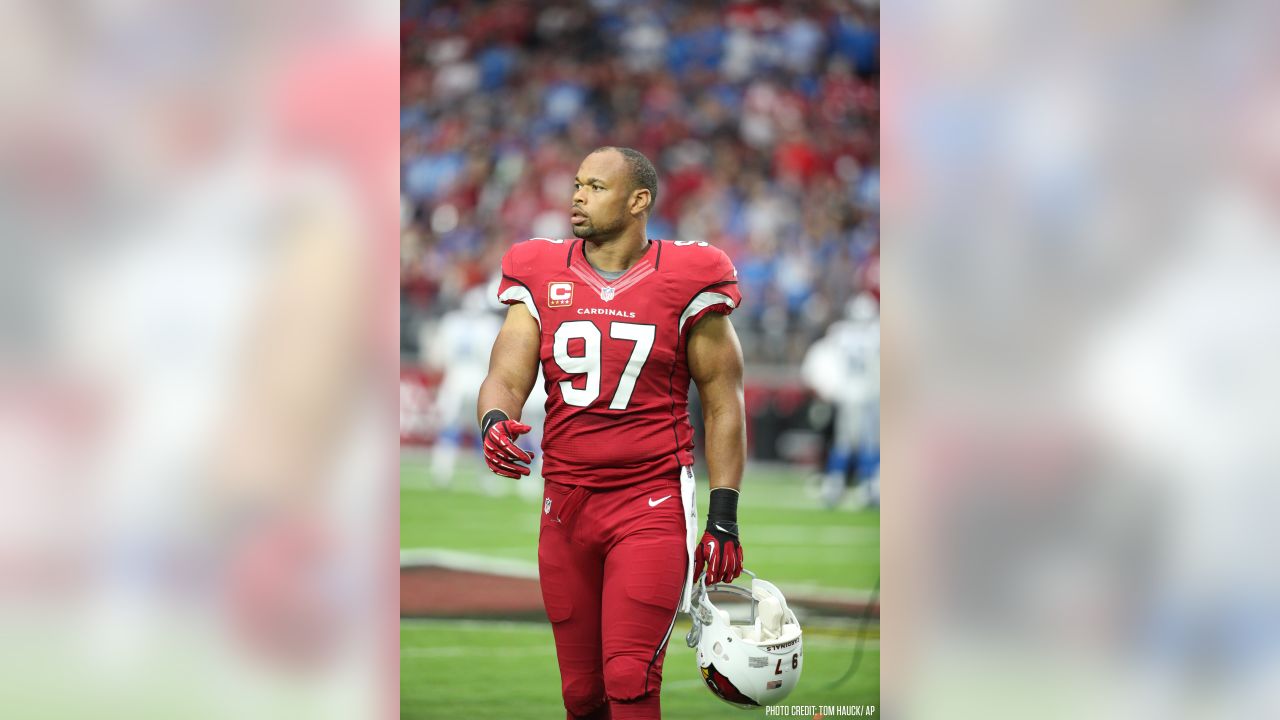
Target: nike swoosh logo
659,501
721,529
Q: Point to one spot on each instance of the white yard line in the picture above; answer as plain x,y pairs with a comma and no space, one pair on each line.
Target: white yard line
472,562
774,535
465,561
792,492
549,650
480,625
460,651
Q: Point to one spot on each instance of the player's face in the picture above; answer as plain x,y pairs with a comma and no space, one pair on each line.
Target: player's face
601,192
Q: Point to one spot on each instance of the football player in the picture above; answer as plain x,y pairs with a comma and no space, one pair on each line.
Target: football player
620,324
459,348
843,368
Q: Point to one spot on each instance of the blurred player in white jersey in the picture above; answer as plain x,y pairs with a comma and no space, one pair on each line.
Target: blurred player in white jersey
459,347
843,368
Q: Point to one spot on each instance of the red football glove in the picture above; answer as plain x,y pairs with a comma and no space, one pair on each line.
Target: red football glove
721,554
720,551
501,453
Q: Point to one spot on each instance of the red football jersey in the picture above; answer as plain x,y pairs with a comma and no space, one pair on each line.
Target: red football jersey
613,354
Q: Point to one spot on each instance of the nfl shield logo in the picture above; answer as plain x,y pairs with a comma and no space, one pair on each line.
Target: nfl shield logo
546,507
606,294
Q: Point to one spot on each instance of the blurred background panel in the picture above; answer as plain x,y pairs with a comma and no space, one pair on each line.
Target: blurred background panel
1081,395
762,119
197,311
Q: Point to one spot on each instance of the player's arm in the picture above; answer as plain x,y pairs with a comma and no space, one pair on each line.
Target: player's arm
715,363
513,368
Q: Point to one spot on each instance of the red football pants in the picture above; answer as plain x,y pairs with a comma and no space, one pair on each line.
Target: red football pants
613,566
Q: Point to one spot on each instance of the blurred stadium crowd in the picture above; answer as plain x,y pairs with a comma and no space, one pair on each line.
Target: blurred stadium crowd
761,117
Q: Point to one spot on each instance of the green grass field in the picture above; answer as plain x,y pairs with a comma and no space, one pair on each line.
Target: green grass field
510,668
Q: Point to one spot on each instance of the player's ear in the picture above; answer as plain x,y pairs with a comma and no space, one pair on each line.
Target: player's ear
641,199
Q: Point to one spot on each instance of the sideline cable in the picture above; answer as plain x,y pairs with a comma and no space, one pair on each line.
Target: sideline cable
862,638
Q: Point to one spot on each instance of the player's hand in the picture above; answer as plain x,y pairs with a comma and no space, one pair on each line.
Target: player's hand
720,550
501,453
720,553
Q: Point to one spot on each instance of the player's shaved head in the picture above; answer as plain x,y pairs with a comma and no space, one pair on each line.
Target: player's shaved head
639,170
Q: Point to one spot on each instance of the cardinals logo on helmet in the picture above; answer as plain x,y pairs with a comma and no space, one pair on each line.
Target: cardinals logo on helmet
721,686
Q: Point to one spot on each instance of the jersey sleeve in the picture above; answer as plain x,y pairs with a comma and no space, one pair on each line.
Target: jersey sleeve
515,286
717,283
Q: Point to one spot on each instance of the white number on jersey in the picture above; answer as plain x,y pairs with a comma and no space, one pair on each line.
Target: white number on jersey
642,336
589,363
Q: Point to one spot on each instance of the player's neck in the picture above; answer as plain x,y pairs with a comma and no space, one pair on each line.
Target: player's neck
616,254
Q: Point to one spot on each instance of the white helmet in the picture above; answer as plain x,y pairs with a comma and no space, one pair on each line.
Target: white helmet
748,663
862,308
